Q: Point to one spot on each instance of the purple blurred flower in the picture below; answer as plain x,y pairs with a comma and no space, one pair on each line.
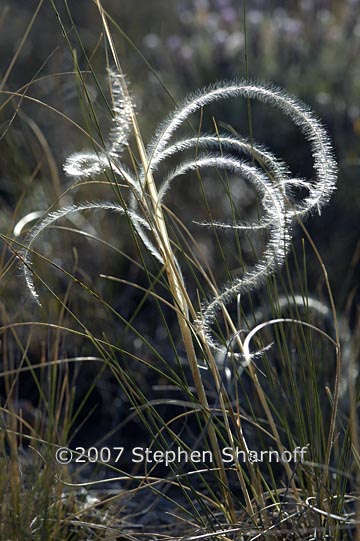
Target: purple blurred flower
228,15
174,42
293,26
255,17
212,22
287,24
234,43
187,52
220,37
151,41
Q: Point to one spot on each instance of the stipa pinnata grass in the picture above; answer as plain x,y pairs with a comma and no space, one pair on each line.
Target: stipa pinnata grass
270,176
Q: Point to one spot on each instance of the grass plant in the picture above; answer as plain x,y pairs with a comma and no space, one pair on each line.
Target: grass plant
247,363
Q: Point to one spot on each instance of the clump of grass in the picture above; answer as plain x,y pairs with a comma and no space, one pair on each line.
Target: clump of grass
236,399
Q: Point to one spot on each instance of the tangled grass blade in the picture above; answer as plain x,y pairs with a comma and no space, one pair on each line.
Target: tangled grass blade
276,190
221,143
314,132
85,165
123,108
47,222
269,176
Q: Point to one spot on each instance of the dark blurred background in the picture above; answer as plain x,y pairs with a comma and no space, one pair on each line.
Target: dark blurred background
310,48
